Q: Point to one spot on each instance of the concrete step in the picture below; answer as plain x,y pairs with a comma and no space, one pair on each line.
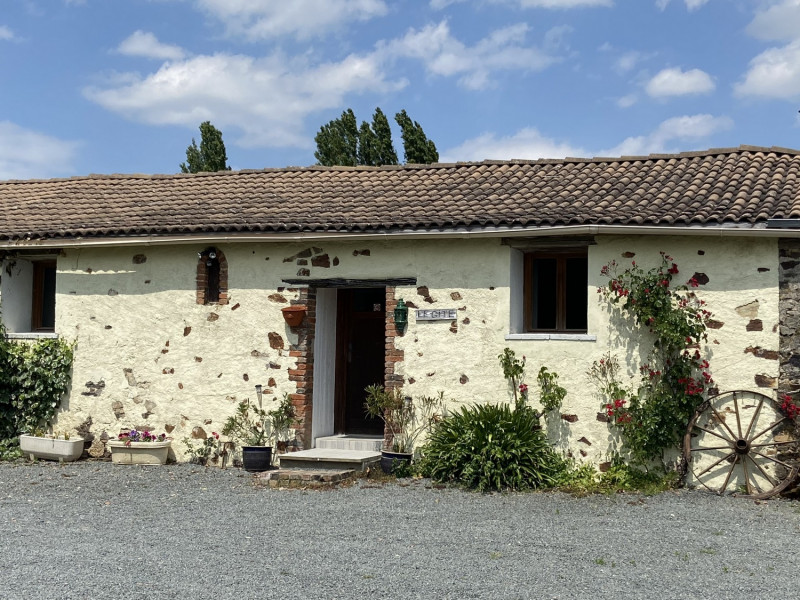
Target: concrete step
330,458
351,442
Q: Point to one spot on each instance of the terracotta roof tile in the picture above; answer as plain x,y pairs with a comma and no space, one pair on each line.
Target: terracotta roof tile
745,185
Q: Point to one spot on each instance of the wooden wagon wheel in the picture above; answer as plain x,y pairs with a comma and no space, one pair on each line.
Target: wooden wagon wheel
741,442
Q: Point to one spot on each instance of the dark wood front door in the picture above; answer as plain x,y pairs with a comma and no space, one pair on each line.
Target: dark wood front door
360,344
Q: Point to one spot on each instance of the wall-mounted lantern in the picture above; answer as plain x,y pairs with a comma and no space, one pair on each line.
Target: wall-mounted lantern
401,317
259,392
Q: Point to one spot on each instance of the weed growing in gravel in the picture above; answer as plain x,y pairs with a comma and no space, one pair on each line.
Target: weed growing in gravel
581,480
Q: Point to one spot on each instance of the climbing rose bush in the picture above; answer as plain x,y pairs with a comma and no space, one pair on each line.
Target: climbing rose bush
676,378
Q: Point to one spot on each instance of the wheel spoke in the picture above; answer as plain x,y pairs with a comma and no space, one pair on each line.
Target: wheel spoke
730,472
706,470
721,419
763,472
746,474
765,430
738,418
773,444
755,416
714,433
728,447
775,460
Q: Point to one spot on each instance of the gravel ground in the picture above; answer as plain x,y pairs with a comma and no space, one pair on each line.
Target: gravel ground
97,530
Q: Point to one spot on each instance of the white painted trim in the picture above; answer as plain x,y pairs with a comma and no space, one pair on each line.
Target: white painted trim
322,412
564,337
39,335
486,232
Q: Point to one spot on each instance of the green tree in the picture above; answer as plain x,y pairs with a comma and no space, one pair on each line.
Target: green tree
210,156
337,141
418,149
342,142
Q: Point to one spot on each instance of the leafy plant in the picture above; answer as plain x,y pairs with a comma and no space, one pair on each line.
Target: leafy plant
676,377
282,418
551,395
250,424
207,448
491,447
405,418
33,379
134,435
583,479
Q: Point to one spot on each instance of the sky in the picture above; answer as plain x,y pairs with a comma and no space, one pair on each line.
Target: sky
121,86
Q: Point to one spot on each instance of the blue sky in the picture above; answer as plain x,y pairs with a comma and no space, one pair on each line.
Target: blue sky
121,86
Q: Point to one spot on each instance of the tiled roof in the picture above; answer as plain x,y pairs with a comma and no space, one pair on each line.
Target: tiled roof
744,186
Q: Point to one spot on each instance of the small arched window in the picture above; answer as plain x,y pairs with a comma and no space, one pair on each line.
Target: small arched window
212,277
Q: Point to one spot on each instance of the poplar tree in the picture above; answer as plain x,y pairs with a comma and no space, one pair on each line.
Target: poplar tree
210,156
418,149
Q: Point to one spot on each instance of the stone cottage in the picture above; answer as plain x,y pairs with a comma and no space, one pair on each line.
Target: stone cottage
172,285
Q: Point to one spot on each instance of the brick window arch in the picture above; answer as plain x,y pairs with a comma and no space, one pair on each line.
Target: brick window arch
212,277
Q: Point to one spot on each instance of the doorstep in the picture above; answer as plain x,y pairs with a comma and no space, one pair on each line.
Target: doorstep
305,478
330,458
350,442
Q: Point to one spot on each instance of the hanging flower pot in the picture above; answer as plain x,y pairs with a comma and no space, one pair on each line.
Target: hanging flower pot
293,315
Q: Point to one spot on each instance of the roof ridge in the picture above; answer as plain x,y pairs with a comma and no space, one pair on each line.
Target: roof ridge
414,167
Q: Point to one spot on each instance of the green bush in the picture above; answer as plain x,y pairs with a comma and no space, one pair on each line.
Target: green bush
491,447
583,479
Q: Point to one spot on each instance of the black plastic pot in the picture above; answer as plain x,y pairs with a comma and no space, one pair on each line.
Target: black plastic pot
256,458
389,460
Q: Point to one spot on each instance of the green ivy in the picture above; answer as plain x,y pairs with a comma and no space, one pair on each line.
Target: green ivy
33,378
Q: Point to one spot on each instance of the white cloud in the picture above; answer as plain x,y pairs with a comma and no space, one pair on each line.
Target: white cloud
628,61
266,99
6,33
686,129
444,55
780,21
675,82
303,19
527,143
144,43
26,154
690,4
775,73
627,101
553,4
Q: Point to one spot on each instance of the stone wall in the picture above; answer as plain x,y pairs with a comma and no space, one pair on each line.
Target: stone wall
789,378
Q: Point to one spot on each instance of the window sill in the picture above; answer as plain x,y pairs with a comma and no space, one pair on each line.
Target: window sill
563,337
39,335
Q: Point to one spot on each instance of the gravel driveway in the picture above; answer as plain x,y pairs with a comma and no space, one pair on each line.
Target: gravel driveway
97,530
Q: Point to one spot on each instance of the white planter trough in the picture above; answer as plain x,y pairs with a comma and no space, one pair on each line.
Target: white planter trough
139,453
50,448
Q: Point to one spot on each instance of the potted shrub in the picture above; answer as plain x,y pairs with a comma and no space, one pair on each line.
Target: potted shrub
134,447
405,420
55,446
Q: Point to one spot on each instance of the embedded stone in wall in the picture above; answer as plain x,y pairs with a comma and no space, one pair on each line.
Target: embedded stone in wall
463,379
84,430
302,262
570,418
761,353
186,331
97,449
603,417
113,293
246,377
139,259
628,254
169,371
304,253
271,382
361,253
277,298
119,410
425,293
454,327
583,440
749,310
335,261
465,321
257,354
198,359
765,381
763,269
700,278
198,433
755,325
322,260
604,467
275,340
150,406
235,306
107,327
169,428
274,365
303,273
412,380
455,296
94,389
712,324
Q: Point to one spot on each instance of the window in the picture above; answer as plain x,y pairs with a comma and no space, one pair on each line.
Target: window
43,311
212,277
556,291
28,289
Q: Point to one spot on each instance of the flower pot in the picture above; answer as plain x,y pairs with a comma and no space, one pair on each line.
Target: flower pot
389,460
139,453
51,449
256,458
293,315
